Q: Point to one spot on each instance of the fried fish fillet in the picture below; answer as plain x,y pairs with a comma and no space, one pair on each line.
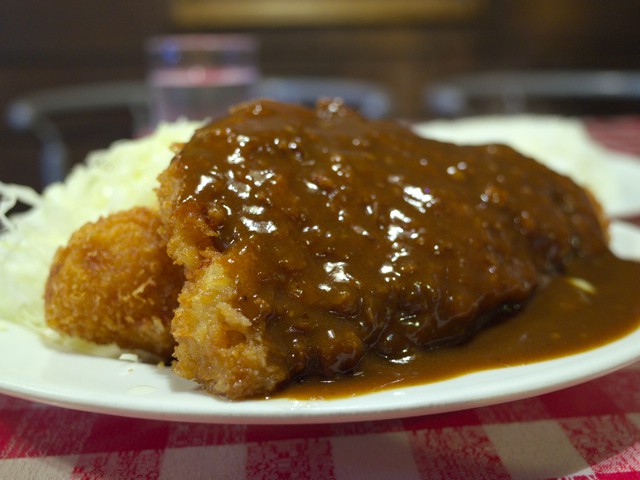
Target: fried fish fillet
311,238
114,283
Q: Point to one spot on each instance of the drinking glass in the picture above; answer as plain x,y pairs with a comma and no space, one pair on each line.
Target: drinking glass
199,77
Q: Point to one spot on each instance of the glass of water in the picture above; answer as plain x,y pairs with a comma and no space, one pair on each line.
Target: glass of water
200,76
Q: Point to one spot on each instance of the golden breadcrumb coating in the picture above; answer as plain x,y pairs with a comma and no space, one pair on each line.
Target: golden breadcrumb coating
114,283
217,346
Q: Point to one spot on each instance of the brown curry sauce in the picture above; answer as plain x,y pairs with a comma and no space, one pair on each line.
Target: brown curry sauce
561,319
371,257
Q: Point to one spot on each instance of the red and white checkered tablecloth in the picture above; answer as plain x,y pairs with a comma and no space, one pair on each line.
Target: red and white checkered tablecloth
584,432
590,431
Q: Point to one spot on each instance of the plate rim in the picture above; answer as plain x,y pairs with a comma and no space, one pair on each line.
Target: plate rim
526,381
393,405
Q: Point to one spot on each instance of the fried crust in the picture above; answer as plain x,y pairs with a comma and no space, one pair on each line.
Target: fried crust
114,283
217,346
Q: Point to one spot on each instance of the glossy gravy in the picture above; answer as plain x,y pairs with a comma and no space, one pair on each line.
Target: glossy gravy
562,319
361,254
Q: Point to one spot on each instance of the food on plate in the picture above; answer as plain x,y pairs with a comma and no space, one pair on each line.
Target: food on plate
320,252
114,283
312,239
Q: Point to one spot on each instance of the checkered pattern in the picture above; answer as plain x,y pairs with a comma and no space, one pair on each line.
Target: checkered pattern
591,431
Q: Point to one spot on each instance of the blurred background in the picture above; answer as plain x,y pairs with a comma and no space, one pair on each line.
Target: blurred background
403,46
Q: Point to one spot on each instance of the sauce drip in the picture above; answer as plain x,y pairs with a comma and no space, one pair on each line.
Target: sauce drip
563,318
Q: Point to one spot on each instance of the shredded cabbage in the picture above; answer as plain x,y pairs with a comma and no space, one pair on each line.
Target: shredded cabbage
118,178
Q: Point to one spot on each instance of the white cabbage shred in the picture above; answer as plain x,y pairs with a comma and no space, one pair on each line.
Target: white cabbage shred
123,176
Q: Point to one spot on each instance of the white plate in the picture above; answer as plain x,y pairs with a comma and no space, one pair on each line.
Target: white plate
38,372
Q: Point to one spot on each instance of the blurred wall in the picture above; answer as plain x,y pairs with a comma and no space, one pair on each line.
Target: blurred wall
45,44
49,44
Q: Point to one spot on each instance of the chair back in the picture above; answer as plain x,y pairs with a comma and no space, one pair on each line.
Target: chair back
36,112
518,92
